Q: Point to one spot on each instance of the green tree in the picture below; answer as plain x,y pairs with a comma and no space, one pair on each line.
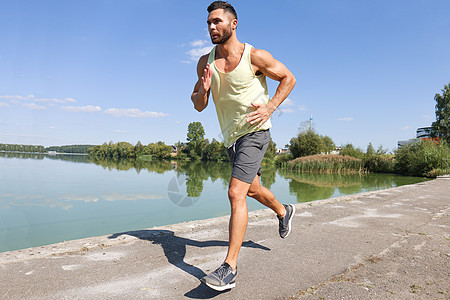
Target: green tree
370,150
328,144
306,143
138,148
441,127
350,150
214,151
381,150
195,133
271,150
196,140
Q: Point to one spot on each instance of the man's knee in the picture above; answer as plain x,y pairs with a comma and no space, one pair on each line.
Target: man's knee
254,192
235,194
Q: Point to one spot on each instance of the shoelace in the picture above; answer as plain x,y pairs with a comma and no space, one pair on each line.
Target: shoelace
221,271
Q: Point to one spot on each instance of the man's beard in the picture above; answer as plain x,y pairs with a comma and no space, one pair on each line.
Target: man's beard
225,37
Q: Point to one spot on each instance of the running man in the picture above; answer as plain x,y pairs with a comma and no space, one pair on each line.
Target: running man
235,73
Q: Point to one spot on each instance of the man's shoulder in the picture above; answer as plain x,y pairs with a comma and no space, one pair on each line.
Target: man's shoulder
204,58
259,56
202,61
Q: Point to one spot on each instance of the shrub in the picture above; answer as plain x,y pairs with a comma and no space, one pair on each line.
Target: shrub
419,158
435,173
282,159
379,163
350,150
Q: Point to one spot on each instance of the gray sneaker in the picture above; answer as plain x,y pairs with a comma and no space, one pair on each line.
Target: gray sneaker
221,279
285,222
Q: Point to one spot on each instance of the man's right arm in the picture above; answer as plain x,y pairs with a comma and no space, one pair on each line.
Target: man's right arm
202,88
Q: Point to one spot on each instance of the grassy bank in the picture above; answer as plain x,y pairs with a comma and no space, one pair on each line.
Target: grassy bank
327,164
424,159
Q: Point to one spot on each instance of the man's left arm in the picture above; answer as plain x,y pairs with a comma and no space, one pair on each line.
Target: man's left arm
263,62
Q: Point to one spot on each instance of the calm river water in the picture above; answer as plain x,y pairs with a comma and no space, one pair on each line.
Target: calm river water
49,199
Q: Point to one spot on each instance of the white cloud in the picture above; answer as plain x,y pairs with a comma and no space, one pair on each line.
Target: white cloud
349,119
199,48
287,106
87,108
68,99
286,110
54,100
194,54
16,97
52,127
3,104
120,131
427,117
405,128
32,98
198,43
133,113
287,102
34,106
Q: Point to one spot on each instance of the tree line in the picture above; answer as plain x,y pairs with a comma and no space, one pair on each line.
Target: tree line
121,150
196,148
22,148
199,148
70,148
41,149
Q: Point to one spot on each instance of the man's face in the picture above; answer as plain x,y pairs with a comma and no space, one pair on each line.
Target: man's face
220,26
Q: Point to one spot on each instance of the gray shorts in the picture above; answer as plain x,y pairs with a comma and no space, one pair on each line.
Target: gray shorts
247,153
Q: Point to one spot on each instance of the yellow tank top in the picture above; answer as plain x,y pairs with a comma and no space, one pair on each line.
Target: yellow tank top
233,93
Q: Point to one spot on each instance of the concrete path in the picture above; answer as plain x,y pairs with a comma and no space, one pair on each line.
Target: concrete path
390,244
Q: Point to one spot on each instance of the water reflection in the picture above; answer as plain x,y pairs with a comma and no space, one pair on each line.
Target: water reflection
310,187
153,166
305,186
65,157
198,172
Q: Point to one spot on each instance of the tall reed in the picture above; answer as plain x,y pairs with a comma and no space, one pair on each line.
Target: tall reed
327,164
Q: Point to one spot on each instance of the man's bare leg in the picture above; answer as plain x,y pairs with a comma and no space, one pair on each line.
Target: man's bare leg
265,197
237,194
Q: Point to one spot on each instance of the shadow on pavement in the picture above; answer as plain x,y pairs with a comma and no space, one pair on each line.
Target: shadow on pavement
174,248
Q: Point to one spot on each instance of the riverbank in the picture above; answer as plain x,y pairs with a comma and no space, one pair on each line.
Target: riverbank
390,244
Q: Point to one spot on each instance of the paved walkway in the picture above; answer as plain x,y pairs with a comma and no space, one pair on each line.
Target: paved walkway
390,244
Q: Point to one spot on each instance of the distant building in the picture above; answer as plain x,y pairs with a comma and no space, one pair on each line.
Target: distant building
283,150
406,143
424,132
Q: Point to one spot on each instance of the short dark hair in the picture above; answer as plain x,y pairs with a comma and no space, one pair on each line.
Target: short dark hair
222,5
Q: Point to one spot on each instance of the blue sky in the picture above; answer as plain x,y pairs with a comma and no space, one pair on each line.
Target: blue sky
87,72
